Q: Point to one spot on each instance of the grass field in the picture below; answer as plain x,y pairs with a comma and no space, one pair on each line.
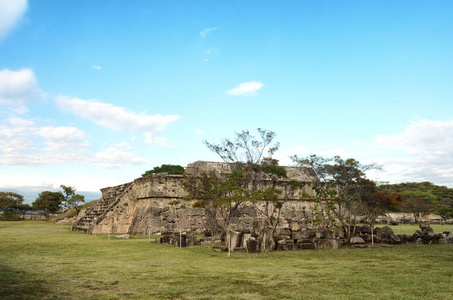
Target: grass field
410,229
45,261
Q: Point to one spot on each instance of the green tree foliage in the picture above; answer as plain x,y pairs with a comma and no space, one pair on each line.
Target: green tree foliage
336,183
374,203
11,205
224,198
170,169
71,199
423,197
48,202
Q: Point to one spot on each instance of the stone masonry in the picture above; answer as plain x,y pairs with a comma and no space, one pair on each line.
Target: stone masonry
144,206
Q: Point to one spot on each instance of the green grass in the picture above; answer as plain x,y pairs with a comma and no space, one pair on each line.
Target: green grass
410,229
46,261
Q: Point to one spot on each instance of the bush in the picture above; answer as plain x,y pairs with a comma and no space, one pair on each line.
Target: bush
170,169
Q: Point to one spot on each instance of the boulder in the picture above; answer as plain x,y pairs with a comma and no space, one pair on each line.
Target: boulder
357,240
448,236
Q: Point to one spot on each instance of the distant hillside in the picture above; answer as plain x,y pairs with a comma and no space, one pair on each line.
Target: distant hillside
436,199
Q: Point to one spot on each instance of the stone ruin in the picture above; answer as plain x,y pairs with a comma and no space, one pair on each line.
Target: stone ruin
144,207
300,237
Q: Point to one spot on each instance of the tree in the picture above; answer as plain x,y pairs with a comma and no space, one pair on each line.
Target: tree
336,183
170,169
373,203
48,202
224,198
417,206
71,199
11,205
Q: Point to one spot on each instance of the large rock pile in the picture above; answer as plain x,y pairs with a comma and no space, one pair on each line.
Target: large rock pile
387,236
262,238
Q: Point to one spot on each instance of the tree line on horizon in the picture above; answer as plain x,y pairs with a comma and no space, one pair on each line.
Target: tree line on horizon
47,202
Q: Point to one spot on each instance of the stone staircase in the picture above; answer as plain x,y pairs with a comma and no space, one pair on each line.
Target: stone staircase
97,213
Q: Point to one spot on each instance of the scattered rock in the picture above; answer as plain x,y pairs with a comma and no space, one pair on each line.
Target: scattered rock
123,236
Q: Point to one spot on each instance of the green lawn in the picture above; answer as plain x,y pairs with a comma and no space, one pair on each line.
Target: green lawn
410,229
45,261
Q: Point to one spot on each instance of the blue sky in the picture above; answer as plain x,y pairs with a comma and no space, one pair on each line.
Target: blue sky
94,93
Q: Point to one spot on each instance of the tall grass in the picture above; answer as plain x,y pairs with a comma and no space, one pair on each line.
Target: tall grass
45,261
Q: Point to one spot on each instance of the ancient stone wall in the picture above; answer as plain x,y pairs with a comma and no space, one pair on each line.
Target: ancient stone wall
146,207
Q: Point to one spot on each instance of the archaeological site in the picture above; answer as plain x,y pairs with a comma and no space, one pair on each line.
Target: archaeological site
155,205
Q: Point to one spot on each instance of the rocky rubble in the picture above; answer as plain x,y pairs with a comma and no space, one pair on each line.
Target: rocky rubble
178,240
301,237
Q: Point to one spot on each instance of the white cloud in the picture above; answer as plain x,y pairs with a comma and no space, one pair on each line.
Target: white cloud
118,118
425,139
97,67
115,158
429,145
245,89
206,31
18,87
198,131
206,59
25,143
10,13
62,138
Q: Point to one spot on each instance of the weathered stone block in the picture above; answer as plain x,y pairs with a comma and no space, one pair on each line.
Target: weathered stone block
298,235
305,246
245,238
286,247
294,226
326,244
357,240
192,241
321,233
252,246
233,239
